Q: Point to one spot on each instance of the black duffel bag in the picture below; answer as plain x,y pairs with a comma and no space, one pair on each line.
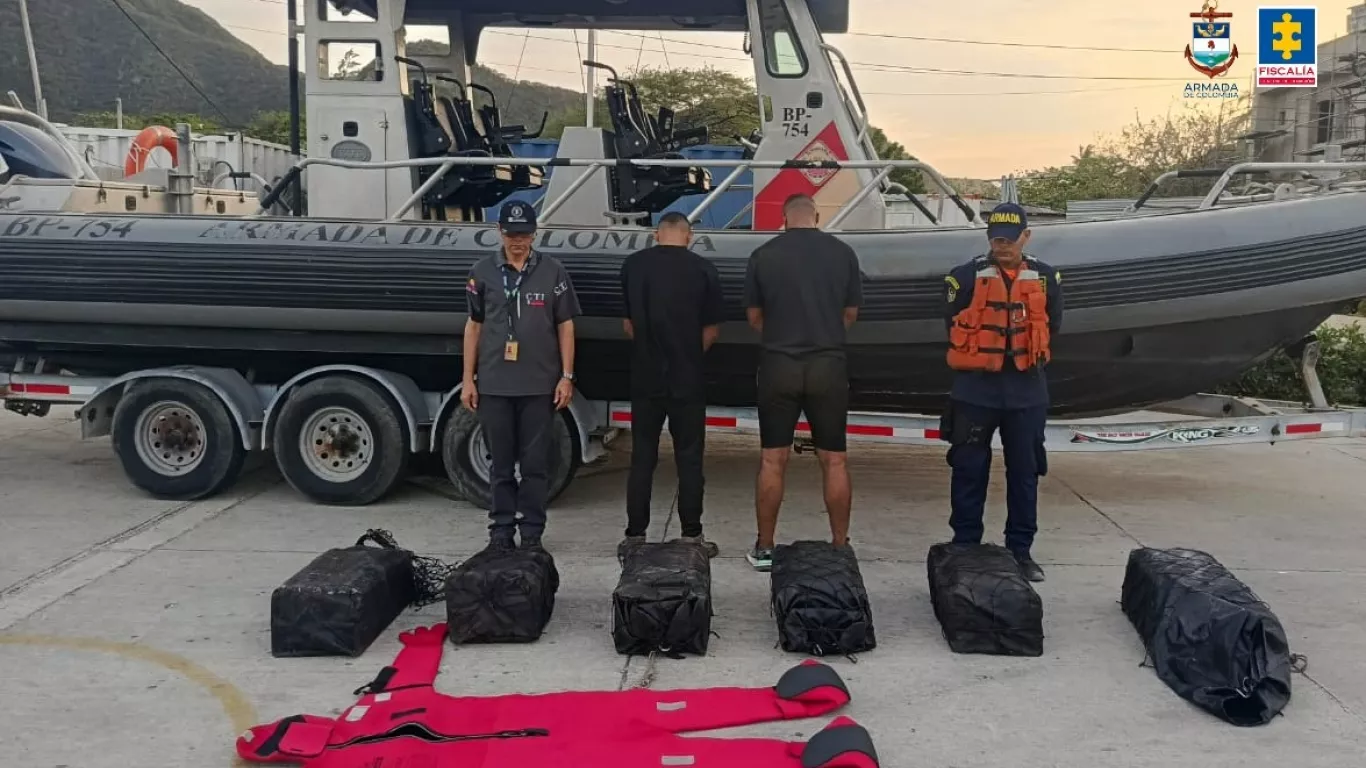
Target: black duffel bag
501,597
981,601
1210,638
819,600
662,602
341,601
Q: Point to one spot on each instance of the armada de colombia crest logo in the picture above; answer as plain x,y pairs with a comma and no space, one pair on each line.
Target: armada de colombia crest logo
1211,50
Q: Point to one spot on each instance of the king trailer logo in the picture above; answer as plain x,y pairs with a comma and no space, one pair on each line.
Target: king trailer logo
1211,52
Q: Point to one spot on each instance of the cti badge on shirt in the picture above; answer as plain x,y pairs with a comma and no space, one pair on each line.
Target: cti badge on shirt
510,351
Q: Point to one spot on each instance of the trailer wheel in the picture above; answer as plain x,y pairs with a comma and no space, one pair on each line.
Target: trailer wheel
176,439
468,462
340,440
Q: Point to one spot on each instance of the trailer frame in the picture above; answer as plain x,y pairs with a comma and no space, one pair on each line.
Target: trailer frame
400,421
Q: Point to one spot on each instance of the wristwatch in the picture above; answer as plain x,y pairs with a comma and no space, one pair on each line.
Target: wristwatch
567,376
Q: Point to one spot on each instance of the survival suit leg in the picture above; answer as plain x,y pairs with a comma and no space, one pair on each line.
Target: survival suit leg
808,689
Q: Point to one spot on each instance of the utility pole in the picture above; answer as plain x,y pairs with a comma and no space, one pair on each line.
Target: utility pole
32,59
591,76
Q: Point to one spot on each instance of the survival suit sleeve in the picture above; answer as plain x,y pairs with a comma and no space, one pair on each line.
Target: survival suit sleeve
417,664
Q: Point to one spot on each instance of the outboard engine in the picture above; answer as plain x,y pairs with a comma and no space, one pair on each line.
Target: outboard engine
29,151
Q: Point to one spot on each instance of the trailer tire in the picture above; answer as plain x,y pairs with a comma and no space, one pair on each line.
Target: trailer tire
370,452
463,438
176,439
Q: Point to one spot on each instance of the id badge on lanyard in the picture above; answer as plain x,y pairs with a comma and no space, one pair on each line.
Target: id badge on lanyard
512,293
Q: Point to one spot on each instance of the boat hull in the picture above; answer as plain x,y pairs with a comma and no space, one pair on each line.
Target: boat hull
1156,307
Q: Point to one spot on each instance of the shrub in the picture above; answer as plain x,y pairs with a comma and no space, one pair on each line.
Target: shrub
1341,369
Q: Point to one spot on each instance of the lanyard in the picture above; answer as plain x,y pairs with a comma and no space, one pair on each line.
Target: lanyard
512,293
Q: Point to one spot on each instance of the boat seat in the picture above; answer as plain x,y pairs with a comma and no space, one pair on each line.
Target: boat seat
496,137
636,189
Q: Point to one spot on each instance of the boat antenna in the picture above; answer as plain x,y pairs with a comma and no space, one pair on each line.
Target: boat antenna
292,16
38,99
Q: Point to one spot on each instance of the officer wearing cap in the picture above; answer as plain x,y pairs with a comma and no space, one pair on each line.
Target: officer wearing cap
1002,310
519,370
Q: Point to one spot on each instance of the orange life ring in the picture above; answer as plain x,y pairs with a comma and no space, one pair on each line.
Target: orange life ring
148,139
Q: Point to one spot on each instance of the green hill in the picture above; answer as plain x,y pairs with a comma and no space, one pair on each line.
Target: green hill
89,55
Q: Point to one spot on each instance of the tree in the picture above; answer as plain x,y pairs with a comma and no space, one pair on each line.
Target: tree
274,126
1123,166
131,122
726,104
912,180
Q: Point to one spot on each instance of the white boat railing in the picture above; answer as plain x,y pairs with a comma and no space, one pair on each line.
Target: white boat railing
1260,191
443,166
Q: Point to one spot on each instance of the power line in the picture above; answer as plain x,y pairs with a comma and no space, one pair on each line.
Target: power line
1013,93
872,66
169,60
1005,44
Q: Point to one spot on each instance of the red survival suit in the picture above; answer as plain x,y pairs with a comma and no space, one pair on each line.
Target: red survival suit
402,722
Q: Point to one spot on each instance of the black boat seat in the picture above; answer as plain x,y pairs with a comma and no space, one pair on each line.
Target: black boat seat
651,189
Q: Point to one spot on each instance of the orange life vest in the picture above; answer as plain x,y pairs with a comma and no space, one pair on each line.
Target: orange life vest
1001,322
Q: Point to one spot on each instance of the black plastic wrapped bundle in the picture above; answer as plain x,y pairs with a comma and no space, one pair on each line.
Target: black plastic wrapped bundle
819,600
1210,638
501,597
662,602
982,602
339,603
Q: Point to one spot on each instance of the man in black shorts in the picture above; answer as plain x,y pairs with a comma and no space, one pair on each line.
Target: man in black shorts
803,289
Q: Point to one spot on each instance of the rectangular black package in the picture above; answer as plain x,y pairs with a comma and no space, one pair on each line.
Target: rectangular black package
819,600
662,601
1210,638
501,597
981,601
339,603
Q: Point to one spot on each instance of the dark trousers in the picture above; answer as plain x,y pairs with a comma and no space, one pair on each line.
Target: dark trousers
688,428
518,430
1022,435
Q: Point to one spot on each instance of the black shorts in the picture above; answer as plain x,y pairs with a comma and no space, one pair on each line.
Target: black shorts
817,386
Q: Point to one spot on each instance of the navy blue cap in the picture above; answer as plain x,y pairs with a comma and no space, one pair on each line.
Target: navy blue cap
517,218
1006,220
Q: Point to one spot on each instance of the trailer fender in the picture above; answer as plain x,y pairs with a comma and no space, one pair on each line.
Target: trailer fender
238,396
403,389
587,419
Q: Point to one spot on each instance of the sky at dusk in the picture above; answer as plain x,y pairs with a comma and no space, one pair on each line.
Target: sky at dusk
977,125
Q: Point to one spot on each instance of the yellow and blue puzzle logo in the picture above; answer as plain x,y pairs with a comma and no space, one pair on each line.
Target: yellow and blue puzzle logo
1287,51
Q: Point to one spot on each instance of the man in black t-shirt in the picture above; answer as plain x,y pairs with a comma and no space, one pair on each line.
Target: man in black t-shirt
673,307
803,289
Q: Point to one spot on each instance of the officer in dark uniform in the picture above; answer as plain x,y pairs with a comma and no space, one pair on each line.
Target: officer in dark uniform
519,345
998,351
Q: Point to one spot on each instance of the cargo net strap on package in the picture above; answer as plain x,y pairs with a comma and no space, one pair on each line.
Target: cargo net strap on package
429,574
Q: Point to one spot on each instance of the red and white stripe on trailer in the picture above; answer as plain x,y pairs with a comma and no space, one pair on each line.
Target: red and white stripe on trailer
33,390
725,420
1309,428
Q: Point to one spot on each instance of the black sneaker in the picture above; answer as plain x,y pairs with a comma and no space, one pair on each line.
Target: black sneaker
1028,568
532,543
501,542
626,545
760,557
707,546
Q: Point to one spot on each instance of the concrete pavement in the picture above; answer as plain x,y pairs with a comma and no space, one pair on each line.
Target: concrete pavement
136,632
